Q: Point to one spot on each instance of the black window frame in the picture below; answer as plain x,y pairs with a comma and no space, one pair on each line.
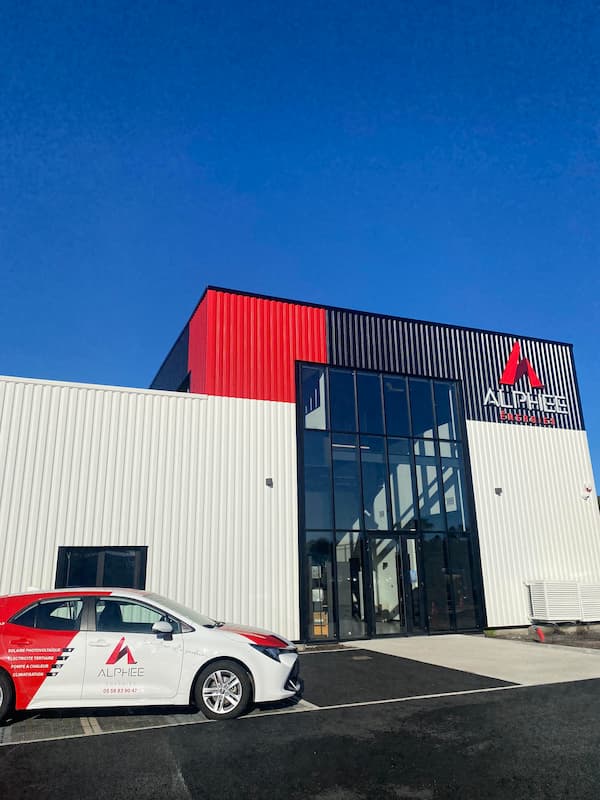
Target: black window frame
62,565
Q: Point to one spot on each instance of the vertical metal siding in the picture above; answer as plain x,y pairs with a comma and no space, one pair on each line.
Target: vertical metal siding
476,358
182,474
247,347
541,527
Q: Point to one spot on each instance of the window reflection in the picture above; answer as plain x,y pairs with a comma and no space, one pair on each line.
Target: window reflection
317,480
374,479
446,410
457,517
431,512
350,586
421,408
314,407
346,481
319,556
396,406
342,405
436,577
462,582
370,409
401,484
382,455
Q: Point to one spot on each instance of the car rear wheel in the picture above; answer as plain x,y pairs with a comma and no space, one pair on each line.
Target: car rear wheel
223,690
6,695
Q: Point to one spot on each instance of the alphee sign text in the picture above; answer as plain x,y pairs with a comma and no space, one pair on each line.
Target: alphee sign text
533,407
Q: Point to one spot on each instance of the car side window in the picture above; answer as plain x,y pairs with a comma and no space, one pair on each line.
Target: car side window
52,615
128,616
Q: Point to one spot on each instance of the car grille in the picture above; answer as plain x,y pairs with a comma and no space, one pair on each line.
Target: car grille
293,683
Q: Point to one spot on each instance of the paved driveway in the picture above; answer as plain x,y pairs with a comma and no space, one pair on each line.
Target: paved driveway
379,671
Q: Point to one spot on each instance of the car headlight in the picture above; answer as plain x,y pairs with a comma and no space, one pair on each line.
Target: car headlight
271,652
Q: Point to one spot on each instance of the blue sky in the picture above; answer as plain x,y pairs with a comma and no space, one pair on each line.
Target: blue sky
436,160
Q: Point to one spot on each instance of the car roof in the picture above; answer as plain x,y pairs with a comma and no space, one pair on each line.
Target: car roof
11,603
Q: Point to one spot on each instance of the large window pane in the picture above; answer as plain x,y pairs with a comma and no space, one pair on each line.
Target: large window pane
414,596
319,561
462,581
388,596
341,399
396,406
437,585
350,585
314,406
317,480
120,568
374,475
455,497
82,568
446,410
431,512
370,409
404,515
421,408
346,481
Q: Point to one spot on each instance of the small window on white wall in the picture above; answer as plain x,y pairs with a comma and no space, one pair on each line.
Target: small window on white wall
123,567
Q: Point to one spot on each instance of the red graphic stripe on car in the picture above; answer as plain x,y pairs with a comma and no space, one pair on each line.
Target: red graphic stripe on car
263,639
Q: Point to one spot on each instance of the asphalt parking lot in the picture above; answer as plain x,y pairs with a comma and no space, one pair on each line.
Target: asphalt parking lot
370,725
332,678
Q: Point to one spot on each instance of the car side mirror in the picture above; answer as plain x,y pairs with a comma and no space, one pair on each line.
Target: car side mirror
163,630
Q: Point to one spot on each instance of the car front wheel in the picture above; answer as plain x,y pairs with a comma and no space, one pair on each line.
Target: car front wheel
6,695
223,690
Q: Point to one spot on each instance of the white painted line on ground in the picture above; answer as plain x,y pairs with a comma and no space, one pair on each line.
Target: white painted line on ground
303,706
85,726
90,726
95,725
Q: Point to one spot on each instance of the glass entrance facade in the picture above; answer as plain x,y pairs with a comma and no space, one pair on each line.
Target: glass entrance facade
387,537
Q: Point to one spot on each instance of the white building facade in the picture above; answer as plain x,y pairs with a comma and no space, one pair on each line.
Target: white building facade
325,473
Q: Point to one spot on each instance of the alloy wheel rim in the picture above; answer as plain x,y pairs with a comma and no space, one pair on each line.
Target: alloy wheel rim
222,691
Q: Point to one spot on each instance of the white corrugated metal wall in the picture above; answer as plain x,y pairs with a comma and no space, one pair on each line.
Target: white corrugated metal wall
541,527
183,474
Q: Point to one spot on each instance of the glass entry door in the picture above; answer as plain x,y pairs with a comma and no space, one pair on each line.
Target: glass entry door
397,588
350,585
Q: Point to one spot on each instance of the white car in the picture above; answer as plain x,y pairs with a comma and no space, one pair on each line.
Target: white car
72,648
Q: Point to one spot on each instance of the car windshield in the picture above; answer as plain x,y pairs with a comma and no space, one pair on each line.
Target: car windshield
184,611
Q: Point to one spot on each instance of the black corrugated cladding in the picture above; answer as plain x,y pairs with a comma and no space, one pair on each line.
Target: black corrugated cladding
476,358
174,368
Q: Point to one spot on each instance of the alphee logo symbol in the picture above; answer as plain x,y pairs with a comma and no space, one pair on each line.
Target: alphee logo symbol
518,405
120,651
516,367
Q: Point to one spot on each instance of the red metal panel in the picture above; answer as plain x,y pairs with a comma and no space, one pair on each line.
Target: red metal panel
197,348
243,346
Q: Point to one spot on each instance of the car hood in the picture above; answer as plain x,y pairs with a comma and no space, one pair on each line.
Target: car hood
255,635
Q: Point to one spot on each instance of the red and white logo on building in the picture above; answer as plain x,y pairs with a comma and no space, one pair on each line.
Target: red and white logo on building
532,407
516,367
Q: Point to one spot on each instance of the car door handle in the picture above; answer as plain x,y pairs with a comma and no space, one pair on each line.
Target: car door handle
21,642
99,643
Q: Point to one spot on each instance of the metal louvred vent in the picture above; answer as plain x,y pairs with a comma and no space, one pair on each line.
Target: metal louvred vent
564,601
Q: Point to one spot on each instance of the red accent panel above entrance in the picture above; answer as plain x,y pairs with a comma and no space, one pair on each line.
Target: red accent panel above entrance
243,346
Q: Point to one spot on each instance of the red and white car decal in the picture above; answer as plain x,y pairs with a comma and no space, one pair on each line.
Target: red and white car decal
101,647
